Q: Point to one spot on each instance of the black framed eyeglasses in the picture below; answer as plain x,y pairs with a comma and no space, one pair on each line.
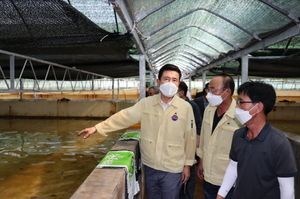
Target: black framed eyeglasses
239,102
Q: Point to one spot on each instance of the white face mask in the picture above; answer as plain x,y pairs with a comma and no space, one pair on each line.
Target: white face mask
242,115
215,100
168,89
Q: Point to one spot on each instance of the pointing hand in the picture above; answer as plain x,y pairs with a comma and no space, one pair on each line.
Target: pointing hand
87,132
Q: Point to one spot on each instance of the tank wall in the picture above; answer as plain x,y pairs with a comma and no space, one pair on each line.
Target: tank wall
61,108
91,108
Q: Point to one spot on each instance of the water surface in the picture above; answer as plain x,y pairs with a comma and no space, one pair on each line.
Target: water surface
44,158
287,126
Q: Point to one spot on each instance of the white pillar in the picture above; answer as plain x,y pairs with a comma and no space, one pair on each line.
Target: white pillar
142,73
190,85
12,72
204,79
245,63
152,78
118,97
113,88
93,86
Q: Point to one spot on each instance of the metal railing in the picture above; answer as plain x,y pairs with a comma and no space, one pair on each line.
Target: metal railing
16,84
74,80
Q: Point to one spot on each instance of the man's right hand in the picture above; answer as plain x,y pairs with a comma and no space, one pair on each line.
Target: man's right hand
87,132
200,170
219,197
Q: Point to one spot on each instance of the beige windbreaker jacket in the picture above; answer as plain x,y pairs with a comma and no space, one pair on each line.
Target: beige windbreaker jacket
168,137
214,148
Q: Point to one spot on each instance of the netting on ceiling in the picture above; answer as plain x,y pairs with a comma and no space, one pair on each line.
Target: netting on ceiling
107,19
52,22
83,33
192,34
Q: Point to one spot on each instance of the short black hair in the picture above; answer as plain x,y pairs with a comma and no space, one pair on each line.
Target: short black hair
228,81
155,88
183,87
259,91
169,67
204,90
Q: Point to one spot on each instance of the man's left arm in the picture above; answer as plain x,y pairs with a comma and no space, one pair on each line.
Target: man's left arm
286,186
186,173
285,172
198,118
190,144
190,137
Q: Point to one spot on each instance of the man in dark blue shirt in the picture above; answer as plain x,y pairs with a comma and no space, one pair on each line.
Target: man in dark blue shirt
262,161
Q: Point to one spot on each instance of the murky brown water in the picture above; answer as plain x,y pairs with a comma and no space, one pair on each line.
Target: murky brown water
287,126
44,158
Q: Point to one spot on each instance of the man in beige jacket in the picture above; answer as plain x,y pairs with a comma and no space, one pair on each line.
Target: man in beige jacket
168,135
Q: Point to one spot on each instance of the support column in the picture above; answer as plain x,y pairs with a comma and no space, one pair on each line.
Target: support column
142,73
21,88
12,72
118,97
152,78
113,88
93,83
204,79
245,63
190,86
35,87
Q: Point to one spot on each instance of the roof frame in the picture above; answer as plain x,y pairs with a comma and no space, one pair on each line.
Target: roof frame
179,63
186,52
182,54
207,10
183,44
192,57
186,36
192,26
184,66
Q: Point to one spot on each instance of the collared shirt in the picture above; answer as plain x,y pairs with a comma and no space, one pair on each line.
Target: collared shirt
214,147
260,161
168,137
166,105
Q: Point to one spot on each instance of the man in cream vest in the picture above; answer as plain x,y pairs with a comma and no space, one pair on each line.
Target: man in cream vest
218,126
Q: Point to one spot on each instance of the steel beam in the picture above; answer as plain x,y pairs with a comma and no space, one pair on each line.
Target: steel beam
291,32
